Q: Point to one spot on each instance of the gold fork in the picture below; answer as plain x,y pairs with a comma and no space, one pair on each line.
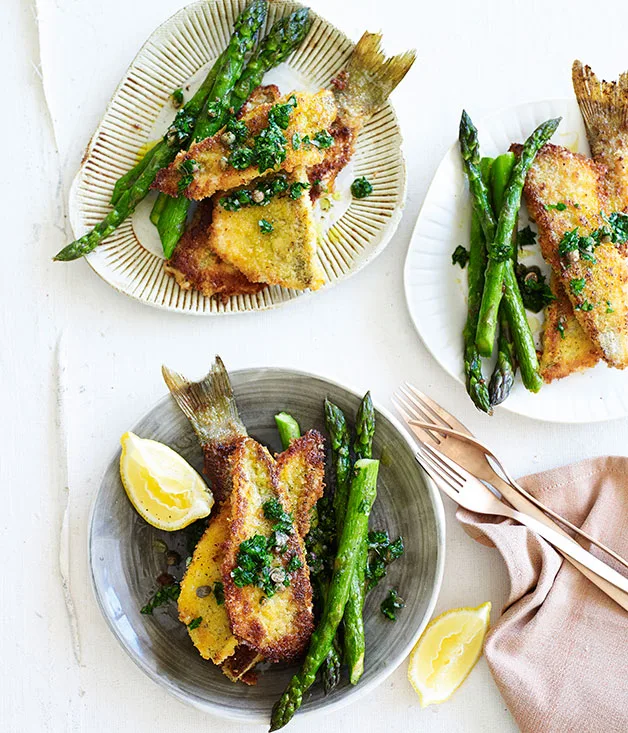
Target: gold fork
470,493
412,403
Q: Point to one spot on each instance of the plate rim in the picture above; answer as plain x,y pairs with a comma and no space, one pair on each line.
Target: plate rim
358,691
504,407
386,235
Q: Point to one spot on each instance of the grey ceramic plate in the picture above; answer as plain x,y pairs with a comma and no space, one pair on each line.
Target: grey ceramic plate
125,563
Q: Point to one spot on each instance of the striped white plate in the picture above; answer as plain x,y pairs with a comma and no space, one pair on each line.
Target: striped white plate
178,54
436,291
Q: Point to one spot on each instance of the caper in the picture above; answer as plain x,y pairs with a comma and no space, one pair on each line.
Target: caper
165,579
159,545
228,138
172,558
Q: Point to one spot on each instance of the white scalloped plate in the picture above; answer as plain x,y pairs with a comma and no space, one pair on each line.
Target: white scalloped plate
436,291
176,55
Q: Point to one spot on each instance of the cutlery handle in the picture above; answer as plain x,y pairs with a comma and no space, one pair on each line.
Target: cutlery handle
525,505
573,550
611,590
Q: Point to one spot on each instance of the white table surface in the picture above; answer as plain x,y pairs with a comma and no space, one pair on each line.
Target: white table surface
483,56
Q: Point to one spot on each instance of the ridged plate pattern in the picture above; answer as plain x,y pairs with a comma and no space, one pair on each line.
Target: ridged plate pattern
172,56
124,561
436,291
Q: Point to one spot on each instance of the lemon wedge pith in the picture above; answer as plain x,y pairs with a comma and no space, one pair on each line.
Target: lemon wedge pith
446,652
162,486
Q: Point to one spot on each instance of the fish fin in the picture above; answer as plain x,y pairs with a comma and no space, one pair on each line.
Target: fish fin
604,108
369,77
209,404
603,104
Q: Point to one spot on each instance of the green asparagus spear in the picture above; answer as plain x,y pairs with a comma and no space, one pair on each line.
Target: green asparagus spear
354,642
332,667
320,543
364,428
282,39
288,427
339,437
476,385
361,497
158,207
500,244
191,110
177,136
131,176
522,336
521,333
503,377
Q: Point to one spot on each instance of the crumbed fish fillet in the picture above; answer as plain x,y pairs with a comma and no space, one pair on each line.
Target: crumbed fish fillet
213,637
601,306
604,108
301,470
566,347
247,476
313,113
278,627
196,266
287,255
301,473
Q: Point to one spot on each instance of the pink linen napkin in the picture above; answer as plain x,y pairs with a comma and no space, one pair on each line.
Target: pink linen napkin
559,652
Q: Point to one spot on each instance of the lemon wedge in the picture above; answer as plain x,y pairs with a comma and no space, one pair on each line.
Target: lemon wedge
446,652
164,489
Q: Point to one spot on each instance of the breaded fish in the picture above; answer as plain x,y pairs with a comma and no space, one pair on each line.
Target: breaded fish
596,281
284,253
195,265
301,469
278,626
213,637
566,347
604,108
235,633
360,90
313,113
301,473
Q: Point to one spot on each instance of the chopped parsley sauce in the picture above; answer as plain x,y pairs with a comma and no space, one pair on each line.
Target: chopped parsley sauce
263,193
361,188
381,552
577,285
525,237
391,604
162,597
460,256
265,226
573,246
260,559
188,168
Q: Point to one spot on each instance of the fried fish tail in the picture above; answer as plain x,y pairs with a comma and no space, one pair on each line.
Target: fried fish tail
369,78
210,407
604,108
360,90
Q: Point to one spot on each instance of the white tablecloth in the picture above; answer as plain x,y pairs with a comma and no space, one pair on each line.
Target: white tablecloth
483,56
